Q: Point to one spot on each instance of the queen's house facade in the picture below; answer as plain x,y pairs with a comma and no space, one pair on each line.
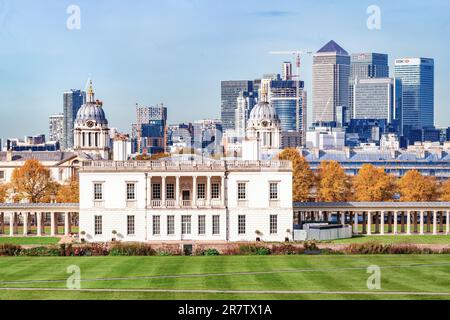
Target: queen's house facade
185,201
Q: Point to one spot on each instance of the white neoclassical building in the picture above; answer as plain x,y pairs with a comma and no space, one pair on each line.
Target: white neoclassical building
186,201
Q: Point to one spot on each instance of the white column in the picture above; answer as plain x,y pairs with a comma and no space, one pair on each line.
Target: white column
343,218
355,223
369,222
382,222
222,190
395,222
39,224
194,191
66,223
163,191
447,222
25,223
434,222
12,218
421,222
177,191
408,222
52,224
208,192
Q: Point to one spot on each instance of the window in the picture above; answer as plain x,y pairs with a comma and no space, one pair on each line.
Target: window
185,224
215,191
170,191
130,225
273,224
273,191
131,191
98,225
2,175
201,225
170,225
216,225
201,191
241,224
242,191
98,191
156,191
156,225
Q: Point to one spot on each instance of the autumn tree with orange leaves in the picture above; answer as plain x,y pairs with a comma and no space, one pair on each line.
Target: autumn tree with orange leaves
445,191
373,184
415,187
303,177
33,182
333,185
69,192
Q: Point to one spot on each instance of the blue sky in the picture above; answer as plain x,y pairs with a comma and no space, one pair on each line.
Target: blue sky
178,51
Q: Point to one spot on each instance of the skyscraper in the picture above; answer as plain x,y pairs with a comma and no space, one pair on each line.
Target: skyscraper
366,66
56,125
417,76
245,103
374,99
229,95
150,130
72,102
331,71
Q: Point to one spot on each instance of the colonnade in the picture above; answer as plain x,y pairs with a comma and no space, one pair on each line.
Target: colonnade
39,220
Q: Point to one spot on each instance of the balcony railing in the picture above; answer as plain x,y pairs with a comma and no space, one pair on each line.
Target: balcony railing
242,203
131,204
186,203
99,204
216,203
274,203
156,203
171,203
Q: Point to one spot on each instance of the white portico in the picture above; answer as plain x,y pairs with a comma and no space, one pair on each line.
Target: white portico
173,201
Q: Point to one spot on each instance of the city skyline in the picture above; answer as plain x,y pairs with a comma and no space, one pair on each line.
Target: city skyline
183,69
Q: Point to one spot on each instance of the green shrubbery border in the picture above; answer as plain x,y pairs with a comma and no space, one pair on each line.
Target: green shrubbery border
142,249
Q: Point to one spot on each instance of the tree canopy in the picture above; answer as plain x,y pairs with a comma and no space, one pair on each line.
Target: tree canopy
69,192
333,185
373,184
415,187
303,177
33,182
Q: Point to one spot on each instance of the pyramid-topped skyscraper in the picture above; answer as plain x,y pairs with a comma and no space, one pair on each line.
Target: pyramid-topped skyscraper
331,70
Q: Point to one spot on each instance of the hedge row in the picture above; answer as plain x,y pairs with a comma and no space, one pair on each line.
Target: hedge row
141,249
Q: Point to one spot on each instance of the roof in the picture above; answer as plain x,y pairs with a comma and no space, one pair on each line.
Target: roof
374,205
43,156
333,47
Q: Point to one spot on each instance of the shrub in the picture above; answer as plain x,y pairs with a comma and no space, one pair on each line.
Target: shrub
287,249
131,249
41,252
169,251
210,252
231,250
310,246
10,250
253,250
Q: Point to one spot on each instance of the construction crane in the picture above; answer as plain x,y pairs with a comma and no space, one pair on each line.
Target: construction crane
297,54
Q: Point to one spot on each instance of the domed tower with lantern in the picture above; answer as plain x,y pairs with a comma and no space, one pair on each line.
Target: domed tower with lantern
91,132
263,133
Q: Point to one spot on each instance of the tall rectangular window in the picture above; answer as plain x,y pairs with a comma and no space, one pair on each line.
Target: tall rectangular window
170,191
98,225
273,224
216,225
98,191
241,224
201,193
215,194
131,191
156,191
185,224
273,191
201,225
131,225
170,225
2,175
242,191
156,225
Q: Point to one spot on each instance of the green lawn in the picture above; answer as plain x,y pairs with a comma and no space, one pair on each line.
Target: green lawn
32,230
413,239
29,240
399,273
